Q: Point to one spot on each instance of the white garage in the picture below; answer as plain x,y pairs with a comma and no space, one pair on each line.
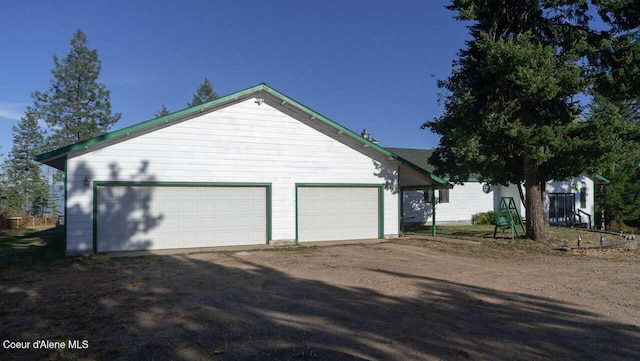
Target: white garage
150,216
251,167
326,213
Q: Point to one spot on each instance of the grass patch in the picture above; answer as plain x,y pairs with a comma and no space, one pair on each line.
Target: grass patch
484,232
558,236
32,247
477,232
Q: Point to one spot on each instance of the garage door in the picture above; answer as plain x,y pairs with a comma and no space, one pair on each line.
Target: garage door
133,217
338,213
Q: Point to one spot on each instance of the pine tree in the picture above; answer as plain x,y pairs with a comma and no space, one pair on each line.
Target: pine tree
162,112
510,109
3,191
23,176
54,191
203,94
76,107
620,198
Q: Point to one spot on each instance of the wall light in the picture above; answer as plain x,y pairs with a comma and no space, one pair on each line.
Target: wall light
259,101
87,181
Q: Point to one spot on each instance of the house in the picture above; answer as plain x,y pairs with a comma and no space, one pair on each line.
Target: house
569,202
252,167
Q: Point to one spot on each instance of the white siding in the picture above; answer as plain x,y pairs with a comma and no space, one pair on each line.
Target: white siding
464,201
509,191
574,186
245,142
468,199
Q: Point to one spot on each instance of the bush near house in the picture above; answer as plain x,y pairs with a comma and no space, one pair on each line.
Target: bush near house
484,218
615,226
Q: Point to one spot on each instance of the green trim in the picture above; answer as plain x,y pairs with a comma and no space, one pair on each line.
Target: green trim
346,185
185,113
352,134
469,180
432,176
340,185
178,115
96,184
269,211
328,121
602,179
296,206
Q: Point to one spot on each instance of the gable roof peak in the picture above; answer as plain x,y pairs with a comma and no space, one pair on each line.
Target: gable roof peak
56,158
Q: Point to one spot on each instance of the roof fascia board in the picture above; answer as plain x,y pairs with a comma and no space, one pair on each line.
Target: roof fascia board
147,124
181,114
328,121
351,134
601,179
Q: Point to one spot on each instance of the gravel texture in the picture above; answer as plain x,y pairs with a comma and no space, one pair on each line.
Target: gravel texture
406,300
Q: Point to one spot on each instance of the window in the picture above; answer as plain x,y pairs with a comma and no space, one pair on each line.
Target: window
583,197
444,196
428,194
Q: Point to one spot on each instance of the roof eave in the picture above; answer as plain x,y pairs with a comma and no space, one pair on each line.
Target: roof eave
600,179
354,135
130,130
50,157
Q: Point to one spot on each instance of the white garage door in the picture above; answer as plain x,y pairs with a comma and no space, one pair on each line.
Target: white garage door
161,217
338,213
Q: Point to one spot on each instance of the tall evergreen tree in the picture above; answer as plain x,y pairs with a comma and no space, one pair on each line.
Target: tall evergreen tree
76,107
511,112
162,112
23,176
3,190
203,94
620,198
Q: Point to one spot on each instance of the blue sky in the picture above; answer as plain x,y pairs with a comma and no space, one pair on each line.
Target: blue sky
363,63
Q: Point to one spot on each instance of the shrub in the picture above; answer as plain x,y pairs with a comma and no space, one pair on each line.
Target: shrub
620,227
484,218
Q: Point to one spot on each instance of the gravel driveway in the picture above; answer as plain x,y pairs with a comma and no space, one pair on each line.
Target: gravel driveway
409,300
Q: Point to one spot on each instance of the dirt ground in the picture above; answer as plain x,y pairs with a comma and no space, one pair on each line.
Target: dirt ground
406,300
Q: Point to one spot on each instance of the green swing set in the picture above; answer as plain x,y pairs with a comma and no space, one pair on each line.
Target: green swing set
508,217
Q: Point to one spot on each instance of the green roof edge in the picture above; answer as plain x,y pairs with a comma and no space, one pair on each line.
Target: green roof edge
204,106
143,125
352,134
602,178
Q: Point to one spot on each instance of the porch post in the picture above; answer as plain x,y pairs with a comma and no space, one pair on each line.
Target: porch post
400,205
433,210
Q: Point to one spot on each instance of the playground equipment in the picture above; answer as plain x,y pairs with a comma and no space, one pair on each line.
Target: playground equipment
508,217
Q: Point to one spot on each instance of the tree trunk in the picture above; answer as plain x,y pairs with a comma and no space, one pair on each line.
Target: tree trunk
536,221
